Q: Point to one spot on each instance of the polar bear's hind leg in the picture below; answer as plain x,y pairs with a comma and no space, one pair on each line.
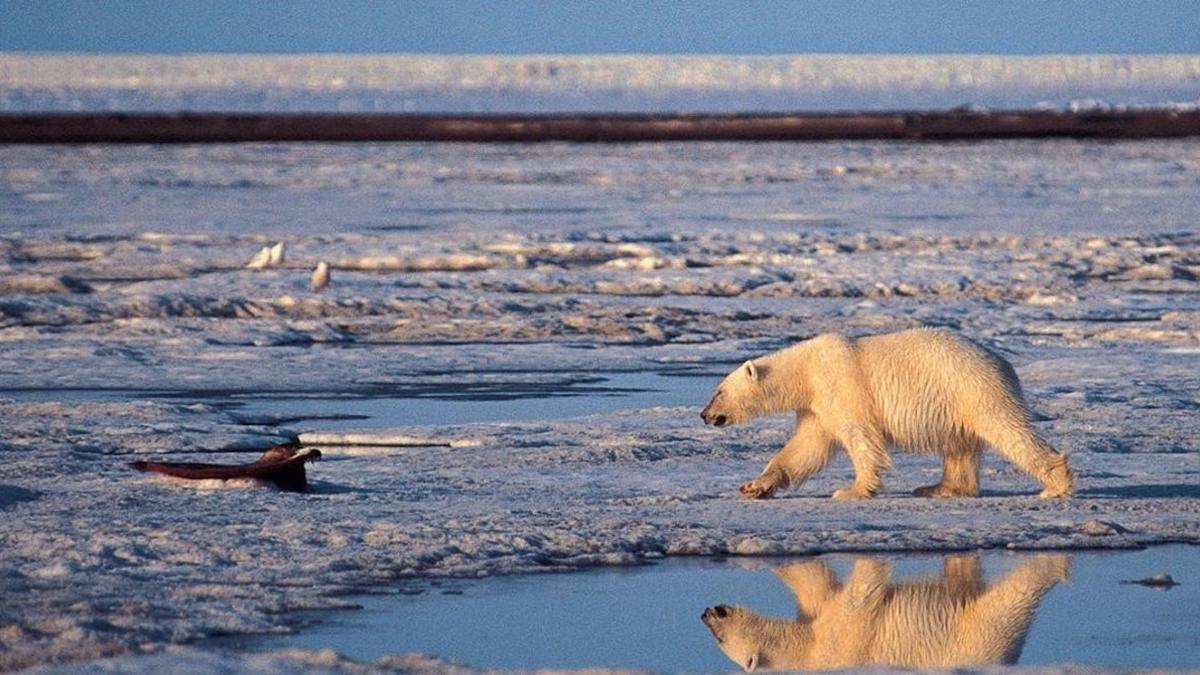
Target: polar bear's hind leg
1014,438
960,472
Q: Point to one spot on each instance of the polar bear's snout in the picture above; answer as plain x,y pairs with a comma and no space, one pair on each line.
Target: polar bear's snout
718,612
716,419
714,619
711,416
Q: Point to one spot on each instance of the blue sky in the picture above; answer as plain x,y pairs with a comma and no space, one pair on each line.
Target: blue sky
603,26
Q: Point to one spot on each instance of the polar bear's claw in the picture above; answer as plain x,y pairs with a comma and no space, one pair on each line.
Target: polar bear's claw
756,490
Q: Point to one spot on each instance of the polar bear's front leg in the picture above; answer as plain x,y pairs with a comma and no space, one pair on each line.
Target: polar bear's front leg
868,455
806,453
844,405
813,584
867,584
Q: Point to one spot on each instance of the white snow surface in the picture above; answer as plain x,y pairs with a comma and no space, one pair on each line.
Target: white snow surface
128,320
540,83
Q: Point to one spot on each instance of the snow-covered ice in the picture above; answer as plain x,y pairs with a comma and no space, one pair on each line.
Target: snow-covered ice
129,325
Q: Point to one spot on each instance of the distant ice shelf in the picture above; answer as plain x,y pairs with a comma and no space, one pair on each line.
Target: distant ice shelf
541,83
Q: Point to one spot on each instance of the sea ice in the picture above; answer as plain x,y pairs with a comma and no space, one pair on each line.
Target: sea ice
129,327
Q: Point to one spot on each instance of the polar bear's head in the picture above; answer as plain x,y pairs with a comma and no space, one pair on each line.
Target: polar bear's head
754,641
737,399
728,628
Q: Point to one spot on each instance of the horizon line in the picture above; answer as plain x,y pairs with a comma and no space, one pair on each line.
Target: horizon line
54,52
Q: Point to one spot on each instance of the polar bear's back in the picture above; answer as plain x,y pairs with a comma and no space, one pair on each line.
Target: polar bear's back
933,388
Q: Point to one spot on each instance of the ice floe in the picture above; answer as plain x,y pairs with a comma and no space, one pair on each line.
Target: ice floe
129,327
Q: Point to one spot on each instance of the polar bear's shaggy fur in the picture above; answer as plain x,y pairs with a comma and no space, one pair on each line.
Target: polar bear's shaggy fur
924,390
952,622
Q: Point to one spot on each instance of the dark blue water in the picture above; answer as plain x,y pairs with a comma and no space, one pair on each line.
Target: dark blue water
648,617
446,403
443,404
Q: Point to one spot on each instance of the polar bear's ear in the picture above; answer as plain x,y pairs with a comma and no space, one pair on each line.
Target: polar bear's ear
751,663
751,370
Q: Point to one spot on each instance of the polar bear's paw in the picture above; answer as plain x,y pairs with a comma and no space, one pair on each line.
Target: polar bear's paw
1055,493
852,493
1052,566
757,489
942,491
1060,480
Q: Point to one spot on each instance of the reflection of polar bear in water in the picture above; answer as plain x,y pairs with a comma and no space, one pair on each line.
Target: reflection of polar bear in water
925,390
954,621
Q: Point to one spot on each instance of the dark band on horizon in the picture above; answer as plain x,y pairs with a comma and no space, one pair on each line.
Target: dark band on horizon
217,127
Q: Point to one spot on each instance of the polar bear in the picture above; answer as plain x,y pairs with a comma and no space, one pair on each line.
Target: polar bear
953,621
924,390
